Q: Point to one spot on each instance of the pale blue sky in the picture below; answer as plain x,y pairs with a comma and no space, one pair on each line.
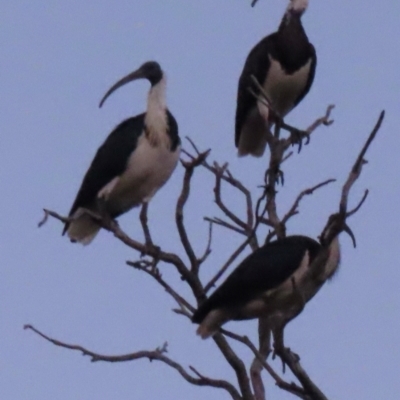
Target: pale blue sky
57,60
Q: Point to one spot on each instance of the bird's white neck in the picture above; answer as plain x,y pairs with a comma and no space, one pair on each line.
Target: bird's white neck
333,261
297,6
156,115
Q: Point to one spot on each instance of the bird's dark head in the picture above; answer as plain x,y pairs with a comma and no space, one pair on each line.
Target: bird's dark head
150,70
297,6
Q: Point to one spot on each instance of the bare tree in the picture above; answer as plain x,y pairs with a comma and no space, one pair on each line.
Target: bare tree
261,211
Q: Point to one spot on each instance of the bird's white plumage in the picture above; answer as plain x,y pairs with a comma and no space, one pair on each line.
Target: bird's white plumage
83,228
286,288
283,89
148,168
297,5
107,189
212,322
333,259
156,118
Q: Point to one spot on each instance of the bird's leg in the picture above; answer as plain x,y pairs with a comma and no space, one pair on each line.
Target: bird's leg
296,135
274,175
279,347
284,353
264,336
150,247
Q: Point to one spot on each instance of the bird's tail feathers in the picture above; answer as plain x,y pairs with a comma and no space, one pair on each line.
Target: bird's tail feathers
211,323
256,151
204,332
253,140
83,229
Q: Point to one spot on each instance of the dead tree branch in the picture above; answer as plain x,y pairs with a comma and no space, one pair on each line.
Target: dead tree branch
183,197
237,364
152,251
264,212
357,167
294,209
289,387
151,269
157,355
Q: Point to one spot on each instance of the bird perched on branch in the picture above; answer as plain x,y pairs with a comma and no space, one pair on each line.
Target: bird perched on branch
274,283
135,160
284,65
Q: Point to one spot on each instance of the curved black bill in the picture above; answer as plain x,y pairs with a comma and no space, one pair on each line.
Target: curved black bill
138,74
347,229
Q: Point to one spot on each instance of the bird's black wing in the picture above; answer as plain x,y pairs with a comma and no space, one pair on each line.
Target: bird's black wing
265,269
109,162
313,66
257,64
173,131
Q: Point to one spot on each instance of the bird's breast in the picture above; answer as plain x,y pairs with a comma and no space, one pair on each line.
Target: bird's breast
284,89
148,168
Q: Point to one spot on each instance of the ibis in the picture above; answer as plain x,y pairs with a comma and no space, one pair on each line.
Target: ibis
284,65
269,283
134,162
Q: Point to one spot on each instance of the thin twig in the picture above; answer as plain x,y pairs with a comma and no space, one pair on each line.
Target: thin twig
294,209
290,387
325,120
149,268
152,251
227,177
221,222
227,264
309,386
53,214
218,198
182,199
358,206
207,250
357,167
237,364
251,239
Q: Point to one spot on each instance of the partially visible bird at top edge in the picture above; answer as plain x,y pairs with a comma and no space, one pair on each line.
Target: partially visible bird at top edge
284,65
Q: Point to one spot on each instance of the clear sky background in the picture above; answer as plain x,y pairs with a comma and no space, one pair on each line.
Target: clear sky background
57,60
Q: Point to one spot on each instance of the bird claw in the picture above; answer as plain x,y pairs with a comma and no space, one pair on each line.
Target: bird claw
278,175
285,353
297,136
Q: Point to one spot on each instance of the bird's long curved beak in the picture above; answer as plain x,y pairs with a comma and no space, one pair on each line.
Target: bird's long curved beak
138,74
